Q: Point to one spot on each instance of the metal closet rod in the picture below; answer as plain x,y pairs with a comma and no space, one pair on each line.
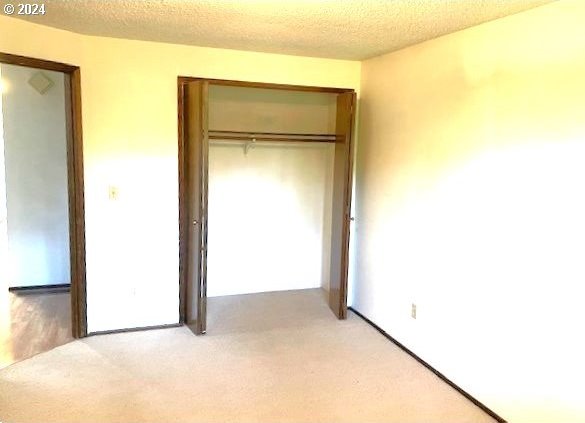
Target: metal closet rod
271,136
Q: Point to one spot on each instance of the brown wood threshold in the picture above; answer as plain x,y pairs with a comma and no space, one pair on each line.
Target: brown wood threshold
431,368
40,289
139,329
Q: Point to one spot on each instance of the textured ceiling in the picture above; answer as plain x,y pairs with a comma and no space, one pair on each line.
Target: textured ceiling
344,29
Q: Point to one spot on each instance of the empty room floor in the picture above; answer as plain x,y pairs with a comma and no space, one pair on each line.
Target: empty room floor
278,357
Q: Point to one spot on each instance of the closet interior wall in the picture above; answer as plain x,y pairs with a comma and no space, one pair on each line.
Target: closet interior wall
269,201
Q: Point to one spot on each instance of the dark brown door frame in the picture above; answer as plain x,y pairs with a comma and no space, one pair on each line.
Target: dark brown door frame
184,225
75,183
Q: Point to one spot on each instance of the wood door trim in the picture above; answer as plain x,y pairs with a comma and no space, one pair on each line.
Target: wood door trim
31,62
266,85
74,181
182,204
183,213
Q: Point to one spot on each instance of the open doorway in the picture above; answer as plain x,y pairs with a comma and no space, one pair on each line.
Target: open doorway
42,245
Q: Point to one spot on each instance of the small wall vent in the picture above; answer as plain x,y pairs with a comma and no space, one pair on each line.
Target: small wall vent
40,82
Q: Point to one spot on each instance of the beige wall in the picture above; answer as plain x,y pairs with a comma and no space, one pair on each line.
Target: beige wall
129,100
470,203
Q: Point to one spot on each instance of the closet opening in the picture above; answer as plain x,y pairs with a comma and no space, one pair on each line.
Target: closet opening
265,193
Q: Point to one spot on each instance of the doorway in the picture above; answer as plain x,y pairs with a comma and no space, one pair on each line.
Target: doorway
42,241
265,193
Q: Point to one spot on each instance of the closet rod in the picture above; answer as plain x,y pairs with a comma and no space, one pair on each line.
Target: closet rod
263,138
217,131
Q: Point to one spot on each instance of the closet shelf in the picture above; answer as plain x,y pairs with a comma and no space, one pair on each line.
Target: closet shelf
270,136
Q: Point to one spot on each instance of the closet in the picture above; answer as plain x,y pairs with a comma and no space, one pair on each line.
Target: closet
264,191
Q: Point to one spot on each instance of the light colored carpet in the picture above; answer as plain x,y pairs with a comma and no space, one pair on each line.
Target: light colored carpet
273,357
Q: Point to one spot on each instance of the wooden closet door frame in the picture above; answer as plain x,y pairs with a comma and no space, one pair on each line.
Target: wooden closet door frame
74,181
339,309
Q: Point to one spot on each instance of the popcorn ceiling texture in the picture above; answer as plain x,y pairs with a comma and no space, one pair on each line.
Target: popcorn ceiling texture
343,29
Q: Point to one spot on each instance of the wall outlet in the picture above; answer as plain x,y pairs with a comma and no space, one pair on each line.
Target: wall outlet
413,311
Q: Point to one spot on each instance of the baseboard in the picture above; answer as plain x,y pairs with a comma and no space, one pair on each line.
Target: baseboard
428,366
41,289
138,329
